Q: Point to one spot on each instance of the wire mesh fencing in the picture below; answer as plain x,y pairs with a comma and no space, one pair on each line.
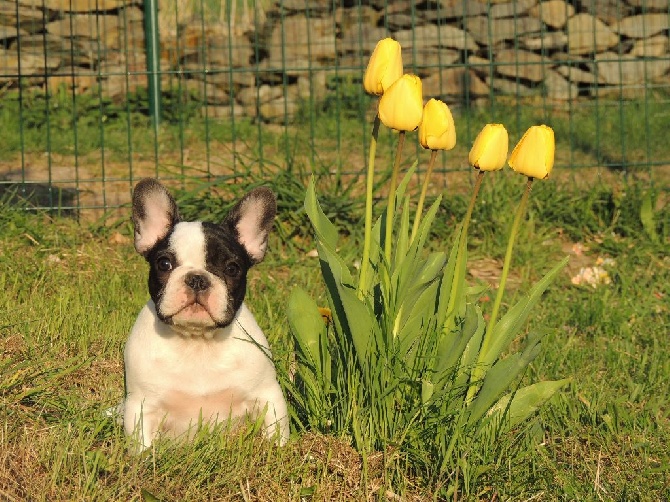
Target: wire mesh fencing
95,94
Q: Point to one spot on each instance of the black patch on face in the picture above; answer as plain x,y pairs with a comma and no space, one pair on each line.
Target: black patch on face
158,277
227,259
224,257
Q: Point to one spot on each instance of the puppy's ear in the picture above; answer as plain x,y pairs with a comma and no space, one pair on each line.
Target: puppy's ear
154,214
251,220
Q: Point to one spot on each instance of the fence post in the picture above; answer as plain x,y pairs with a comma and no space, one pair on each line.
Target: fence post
152,39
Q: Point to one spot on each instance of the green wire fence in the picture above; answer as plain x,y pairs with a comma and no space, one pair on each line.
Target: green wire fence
95,94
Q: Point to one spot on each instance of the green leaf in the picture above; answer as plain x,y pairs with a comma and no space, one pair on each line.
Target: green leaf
500,376
402,242
526,401
453,345
452,285
471,350
147,496
353,316
508,327
307,326
324,229
402,186
647,217
418,325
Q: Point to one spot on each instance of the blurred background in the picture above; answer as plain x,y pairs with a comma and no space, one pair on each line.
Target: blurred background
95,94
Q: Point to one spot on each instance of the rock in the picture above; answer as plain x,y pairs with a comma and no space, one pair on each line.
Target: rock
31,64
643,25
574,74
103,29
299,40
554,13
486,32
431,35
77,5
617,92
559,88
521,64
656,46
212,94
513,8
222,112
261,94
454,82
650,5
588,34
7,32
354,18
514,88
279,111
221,51
608,11
313,85
30,18
456,9
548,41
355,41
303,6
70,52
79,83
616,71
119,83
398,21
224,78
424,60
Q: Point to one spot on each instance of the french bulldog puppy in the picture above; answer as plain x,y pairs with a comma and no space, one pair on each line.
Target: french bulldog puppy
196,353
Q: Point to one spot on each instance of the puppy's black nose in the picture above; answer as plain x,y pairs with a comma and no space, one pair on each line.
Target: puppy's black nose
197,282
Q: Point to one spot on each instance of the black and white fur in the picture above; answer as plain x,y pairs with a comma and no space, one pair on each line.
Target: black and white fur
196,353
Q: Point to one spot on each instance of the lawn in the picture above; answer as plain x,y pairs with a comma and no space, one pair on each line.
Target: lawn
70,292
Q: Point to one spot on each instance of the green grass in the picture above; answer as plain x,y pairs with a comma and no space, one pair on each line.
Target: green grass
325,136
69,295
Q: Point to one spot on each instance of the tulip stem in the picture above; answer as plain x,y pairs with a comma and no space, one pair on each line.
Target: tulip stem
471,206
463,236
521,210
390,209
369,185
422,196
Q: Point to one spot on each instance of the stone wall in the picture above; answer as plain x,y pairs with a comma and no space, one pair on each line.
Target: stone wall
463,50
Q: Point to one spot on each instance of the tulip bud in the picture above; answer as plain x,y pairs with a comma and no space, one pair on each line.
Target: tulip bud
384,67
437,130
533,156
489,151
401,105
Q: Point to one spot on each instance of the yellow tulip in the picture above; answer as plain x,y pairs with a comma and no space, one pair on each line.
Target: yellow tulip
384,67
489,151
533,156
437,130
401,105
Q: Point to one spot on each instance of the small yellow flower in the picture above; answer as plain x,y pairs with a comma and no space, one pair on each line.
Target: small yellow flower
489,151
384,67
437,130
401,105
533,156
326,314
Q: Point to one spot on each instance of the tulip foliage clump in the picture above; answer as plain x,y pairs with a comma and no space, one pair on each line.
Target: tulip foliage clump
405,363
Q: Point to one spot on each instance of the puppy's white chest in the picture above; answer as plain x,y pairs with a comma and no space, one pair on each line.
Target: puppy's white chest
182,379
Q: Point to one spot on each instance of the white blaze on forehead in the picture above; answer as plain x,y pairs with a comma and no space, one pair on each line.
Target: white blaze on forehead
187,242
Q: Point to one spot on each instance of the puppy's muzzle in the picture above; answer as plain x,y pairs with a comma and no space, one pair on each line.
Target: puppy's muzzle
197,282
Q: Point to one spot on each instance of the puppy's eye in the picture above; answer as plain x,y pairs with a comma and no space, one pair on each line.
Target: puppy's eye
164,264
232,270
